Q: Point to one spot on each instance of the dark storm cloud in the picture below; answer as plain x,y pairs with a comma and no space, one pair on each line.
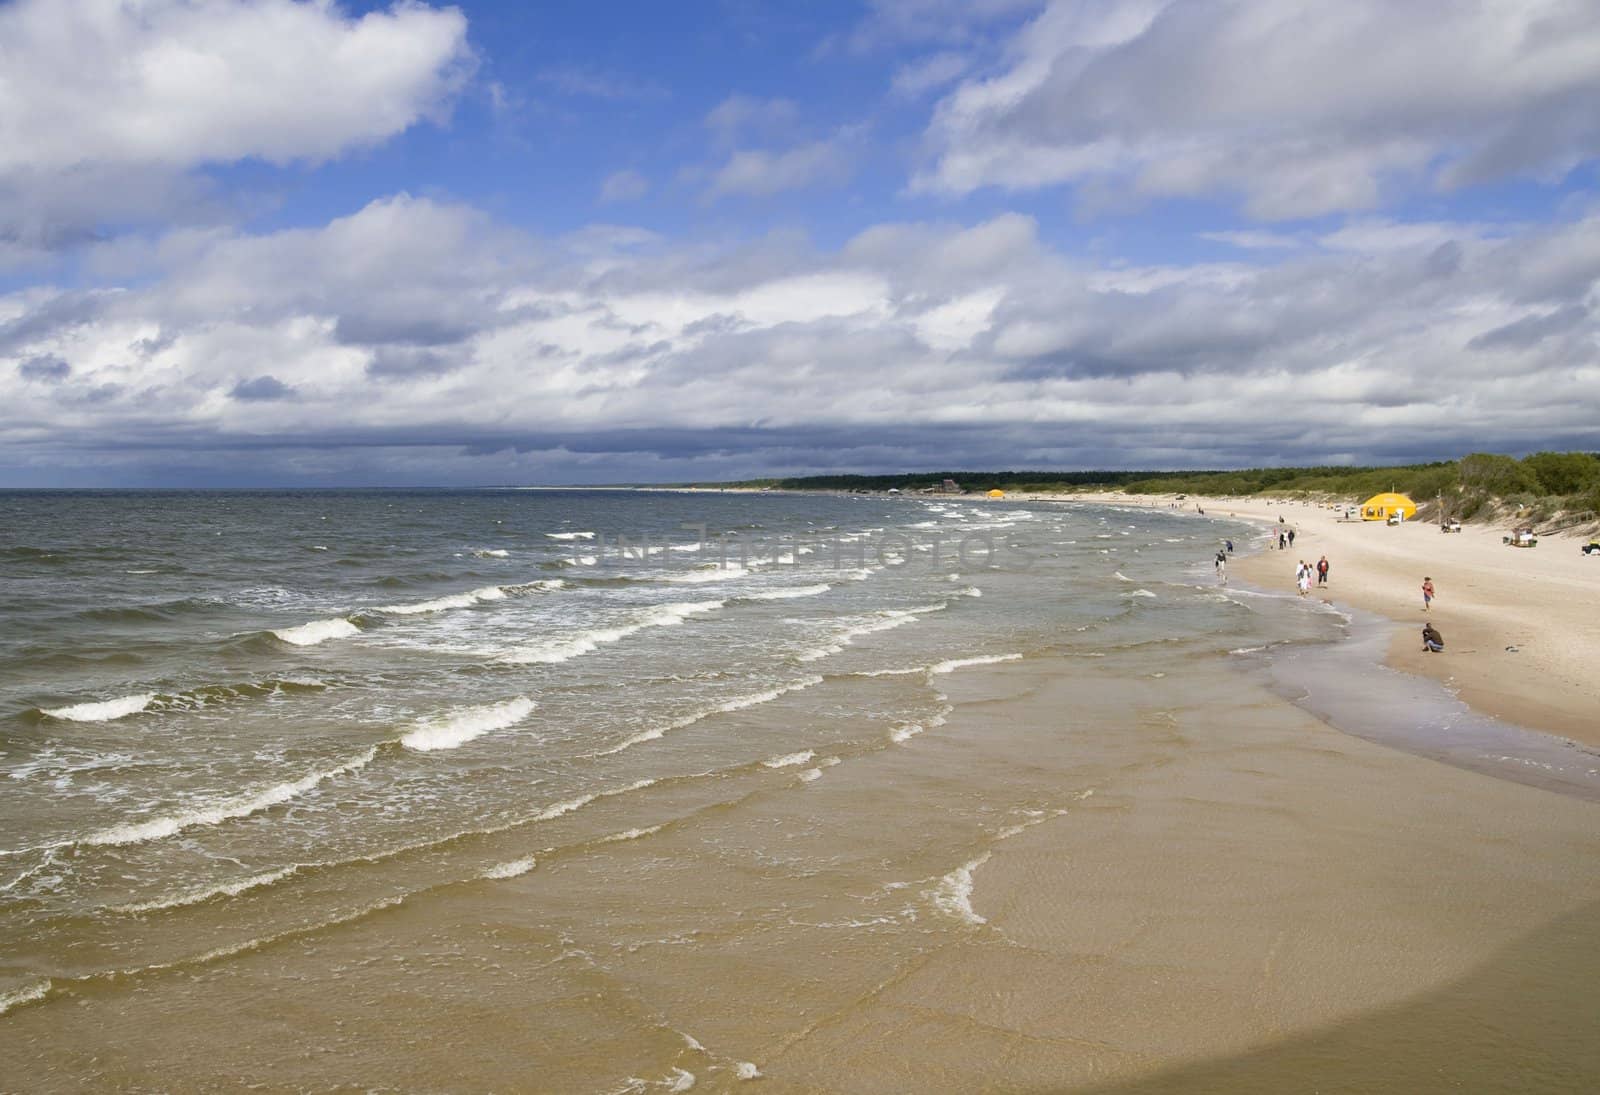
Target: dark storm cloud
261,389
45,368
1530,330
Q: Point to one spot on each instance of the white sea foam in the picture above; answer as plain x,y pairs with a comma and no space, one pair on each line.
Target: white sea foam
631,834
205,893
224,810
456,728
570,535
810,774
708,573
491,553
560,650
789,759
1121,577
580,560
441,604
1139,593
317,631
512,869
25,995
102,710
746,1070
910,730
961,663
788,594
953,894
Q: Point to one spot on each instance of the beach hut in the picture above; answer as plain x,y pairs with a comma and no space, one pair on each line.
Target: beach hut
1380,507
997,493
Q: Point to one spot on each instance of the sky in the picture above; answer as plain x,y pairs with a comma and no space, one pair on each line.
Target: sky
318,243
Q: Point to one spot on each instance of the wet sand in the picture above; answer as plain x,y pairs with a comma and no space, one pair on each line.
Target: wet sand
1178,883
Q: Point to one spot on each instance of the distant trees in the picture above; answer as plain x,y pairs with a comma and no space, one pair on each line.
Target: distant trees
1568,481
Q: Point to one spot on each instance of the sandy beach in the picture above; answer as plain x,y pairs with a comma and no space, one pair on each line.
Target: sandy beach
1521,626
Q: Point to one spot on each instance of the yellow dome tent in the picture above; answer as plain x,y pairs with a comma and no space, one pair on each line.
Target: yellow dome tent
1380,506
997,493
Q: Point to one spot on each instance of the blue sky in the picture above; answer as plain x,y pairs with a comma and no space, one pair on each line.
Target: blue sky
274,241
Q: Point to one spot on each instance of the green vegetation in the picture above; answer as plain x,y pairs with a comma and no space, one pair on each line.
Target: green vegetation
1540,485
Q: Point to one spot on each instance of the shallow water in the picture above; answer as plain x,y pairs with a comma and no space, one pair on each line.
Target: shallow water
481,812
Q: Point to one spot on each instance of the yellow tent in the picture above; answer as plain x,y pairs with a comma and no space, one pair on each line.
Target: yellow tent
997,493
1380,506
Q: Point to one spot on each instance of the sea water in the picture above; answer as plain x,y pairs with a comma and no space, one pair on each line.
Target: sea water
237,722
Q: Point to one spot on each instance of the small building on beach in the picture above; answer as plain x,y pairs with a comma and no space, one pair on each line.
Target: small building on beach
1380,507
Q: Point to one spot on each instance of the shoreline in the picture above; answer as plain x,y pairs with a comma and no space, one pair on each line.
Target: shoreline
1521,635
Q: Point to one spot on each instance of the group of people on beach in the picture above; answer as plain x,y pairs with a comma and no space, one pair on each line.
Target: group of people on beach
1303,573
1285,538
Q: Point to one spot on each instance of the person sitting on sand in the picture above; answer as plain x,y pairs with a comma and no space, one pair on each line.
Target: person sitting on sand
1432,641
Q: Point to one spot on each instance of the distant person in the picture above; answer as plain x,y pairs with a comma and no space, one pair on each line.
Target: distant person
1222,564
1427,593
1302,578
1283,541
1322,571
1432,641
1291,537
1229,545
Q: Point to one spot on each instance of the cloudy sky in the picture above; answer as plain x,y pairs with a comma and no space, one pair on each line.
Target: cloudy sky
317,242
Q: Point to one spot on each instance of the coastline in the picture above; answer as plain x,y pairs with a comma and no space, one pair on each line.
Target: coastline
1491,598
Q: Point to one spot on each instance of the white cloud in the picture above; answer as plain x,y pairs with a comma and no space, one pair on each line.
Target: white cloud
926,73
1297,107
624,186
417,325
759,173
104,104
1253,240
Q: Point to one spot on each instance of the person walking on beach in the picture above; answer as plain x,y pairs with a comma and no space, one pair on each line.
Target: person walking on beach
1427,593
1291,537
1222,564
1283,540
1322,571
1229,545
1302,578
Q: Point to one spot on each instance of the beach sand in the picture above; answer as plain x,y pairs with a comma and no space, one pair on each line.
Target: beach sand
1543,601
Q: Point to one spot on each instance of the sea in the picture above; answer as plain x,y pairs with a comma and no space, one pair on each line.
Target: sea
517,763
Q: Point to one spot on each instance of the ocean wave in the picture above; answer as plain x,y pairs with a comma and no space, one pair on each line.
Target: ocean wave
560,809
961,663
787,594
491,553
25,995
102,710
317,631
725,708
707,572
456,728
441,604
206,893
225,810
789,759
887,620
570,535
560,650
